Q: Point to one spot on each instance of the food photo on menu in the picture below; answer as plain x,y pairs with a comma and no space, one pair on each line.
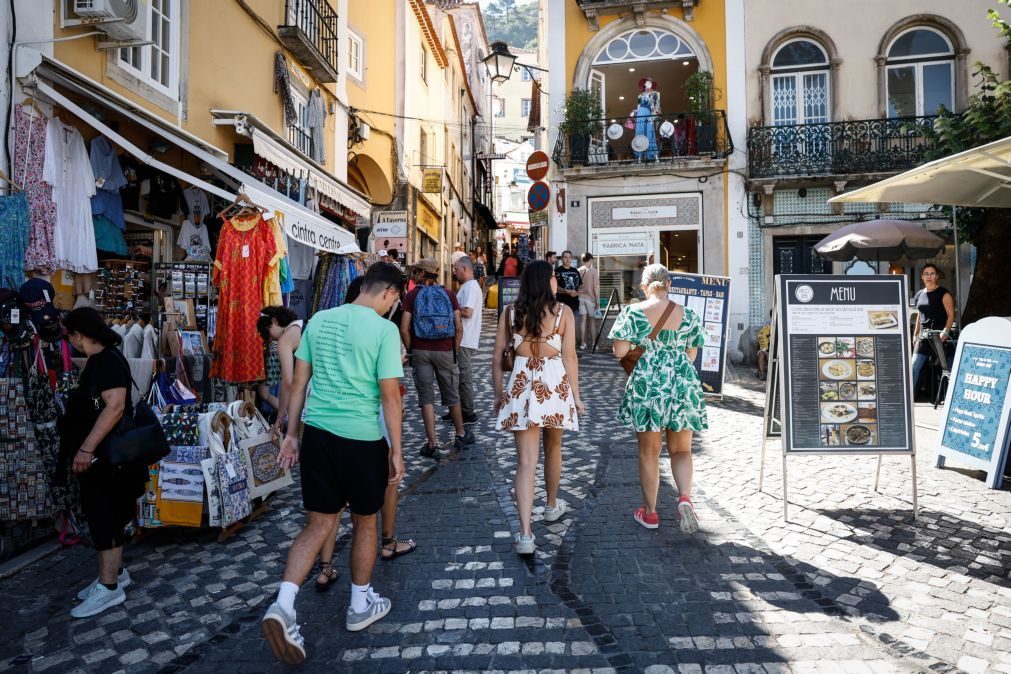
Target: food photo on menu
847,391
882,320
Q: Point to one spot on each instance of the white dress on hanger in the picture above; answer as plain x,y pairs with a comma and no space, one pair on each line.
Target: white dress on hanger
67,169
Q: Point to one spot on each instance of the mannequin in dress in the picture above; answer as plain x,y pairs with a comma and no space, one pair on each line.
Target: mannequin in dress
646,117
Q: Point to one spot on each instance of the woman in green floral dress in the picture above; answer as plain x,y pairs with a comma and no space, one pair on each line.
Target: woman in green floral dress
663,394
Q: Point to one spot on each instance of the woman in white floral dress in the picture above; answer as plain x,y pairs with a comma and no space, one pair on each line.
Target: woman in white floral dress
663,395
542,394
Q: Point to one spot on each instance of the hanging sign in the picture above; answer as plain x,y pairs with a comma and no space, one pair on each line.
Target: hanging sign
390,224
537,165
431,181
539,196
977,404
538,218
844,352
709,298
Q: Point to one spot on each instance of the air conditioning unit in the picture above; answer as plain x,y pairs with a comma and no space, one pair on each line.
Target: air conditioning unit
134,17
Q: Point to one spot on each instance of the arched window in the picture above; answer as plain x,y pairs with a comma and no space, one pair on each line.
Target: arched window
646,44
920,75
799,84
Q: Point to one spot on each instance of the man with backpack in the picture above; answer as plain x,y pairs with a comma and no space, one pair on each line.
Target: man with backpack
431,330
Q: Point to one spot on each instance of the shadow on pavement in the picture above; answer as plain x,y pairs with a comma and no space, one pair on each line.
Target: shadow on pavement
937,539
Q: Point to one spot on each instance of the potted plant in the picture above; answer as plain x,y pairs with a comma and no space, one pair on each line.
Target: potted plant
701,94
582,122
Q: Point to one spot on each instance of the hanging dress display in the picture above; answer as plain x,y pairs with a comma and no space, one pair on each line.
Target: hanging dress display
15,230
29,159
68,170
247,255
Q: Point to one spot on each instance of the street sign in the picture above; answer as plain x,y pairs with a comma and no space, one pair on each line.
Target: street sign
977,405
539,196
709,298
537,165
489,155
538,218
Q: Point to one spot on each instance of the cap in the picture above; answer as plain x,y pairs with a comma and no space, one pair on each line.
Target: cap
37,297
428,265
383,253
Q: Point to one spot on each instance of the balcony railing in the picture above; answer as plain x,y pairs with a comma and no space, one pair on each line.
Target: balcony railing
310,32
674,138
301,139
838,148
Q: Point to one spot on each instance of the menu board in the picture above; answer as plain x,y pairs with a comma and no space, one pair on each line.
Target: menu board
709,297
508,291
845,364
977,406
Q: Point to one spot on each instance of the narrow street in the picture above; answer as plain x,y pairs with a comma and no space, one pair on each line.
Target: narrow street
851,584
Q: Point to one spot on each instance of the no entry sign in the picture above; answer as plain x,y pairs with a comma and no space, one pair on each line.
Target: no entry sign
539,196
537,165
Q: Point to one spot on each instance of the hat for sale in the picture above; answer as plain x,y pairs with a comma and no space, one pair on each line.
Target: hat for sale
427,265
37,298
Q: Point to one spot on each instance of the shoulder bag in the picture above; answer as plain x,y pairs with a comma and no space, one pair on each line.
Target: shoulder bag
137,440
629,360
508,357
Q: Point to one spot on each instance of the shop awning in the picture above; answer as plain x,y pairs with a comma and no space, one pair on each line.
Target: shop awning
980,177
301,223
280,153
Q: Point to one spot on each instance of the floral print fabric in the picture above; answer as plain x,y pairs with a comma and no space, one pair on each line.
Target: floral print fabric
29,156
539,395
664,391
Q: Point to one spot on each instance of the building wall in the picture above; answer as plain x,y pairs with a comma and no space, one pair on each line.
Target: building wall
511,94
857,28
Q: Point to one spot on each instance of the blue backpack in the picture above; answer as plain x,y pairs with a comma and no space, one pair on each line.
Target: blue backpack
433,314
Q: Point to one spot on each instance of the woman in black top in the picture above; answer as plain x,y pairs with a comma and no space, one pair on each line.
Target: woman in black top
936,311
108,494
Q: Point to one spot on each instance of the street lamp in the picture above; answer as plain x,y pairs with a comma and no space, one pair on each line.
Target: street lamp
499,62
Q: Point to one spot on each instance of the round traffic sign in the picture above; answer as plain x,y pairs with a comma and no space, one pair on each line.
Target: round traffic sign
538,196
537,165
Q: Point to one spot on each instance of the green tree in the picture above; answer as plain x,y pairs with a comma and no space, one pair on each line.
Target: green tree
516,25
987,118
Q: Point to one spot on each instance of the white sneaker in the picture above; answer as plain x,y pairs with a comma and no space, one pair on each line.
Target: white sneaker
99,599
281,631
555,514
376,608
123,579
525,544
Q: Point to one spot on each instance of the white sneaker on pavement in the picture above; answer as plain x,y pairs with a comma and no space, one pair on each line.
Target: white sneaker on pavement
123,579
376,609
99,599
525,544
555,514
281,631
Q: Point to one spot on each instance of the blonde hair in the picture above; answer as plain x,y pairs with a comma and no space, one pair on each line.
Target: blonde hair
655,278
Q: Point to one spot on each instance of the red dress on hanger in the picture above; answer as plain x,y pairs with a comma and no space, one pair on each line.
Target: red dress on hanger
246,255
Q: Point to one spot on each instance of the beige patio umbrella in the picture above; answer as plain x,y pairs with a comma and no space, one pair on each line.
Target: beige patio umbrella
876,240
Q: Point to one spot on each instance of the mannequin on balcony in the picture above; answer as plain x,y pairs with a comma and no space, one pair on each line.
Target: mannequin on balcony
646,117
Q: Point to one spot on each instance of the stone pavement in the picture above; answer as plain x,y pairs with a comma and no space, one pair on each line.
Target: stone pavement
850,584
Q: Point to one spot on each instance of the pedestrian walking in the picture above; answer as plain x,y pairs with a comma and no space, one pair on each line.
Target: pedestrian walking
108,493
663,394
480,268
469,299
569,281
510,264
282,328
390,546
589,300
542,395
431,330
353,356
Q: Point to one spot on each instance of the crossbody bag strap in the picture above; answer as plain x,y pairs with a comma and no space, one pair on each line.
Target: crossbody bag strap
663,319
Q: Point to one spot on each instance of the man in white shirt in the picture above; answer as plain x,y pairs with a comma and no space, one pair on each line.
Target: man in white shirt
469,297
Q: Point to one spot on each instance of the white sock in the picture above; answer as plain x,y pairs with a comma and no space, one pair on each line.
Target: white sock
359,597
286,596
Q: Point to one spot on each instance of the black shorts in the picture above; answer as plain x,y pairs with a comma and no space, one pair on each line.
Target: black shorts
337,472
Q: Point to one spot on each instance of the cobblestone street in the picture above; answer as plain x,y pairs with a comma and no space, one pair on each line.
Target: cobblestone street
851,584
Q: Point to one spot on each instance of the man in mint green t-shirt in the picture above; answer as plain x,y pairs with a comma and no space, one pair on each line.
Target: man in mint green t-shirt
352,355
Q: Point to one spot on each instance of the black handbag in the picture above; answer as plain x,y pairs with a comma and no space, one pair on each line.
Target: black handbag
135,441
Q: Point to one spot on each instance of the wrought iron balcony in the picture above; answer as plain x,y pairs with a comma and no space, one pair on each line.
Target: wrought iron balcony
838,148
310,32
679,139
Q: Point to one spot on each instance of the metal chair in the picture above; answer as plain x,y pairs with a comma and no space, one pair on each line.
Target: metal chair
934,338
